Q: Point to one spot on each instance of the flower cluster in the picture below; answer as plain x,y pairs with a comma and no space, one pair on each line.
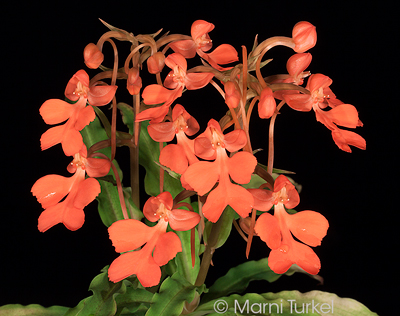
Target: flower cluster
218,164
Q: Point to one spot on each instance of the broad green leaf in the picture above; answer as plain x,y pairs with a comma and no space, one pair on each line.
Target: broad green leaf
32,310
133,300
109,204
285,303
127,115
102,302
149,152
238,278
173,294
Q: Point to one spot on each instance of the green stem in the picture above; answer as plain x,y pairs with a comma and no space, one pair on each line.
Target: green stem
208,251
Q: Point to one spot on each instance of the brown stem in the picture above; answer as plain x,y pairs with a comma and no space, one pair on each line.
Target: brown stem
208,252
271,138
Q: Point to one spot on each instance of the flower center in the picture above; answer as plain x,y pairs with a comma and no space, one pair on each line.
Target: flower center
180,124
281,196
216,139
202,41
79,161
163,212
81,90
178,75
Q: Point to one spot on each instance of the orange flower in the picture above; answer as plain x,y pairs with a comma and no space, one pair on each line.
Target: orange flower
77,115
201,43
160,246
133,82
51,189
276,230
304,36
232,94
177,79
178,156
341,114
203,175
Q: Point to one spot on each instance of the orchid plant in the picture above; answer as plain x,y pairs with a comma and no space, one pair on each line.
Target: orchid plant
201,181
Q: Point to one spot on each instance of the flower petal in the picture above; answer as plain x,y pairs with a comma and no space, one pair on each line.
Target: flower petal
194,81
263,200
241,167
50,189
129,234
140,263
344,138
85,116
55,111
87,191
173,156
161,132
308,226
101,95
167,246
187,48
182,220
202,176
72,141
52,136
267,228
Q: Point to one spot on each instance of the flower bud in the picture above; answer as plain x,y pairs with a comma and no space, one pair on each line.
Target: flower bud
155,63
134,82
266,104
232,94
93,56
304,36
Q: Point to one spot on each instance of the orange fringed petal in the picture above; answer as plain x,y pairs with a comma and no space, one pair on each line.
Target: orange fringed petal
140,263
344,138
52,136
85,116
267,228
129,234
344,115
50,217
167,246
55,111
308,226
87,191
50,189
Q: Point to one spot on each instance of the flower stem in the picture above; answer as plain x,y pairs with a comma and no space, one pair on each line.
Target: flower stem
271,138
209,251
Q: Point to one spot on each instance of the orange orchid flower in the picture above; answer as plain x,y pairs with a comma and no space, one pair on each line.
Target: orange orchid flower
176,80
201,43
77,115
276,230
93,56
178,156
320,97
203,175
51,189
266,104
159,247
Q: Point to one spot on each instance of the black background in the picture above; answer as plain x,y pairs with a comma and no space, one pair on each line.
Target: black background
42,48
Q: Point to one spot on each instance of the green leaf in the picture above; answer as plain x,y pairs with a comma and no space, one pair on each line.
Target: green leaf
170,299
133,300
109,205
102,302
32,310
285,303
149,152
238,278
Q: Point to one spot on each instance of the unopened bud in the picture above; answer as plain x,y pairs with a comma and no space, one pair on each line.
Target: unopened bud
134,82
155,63
93,56
304,36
